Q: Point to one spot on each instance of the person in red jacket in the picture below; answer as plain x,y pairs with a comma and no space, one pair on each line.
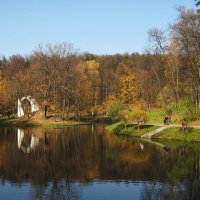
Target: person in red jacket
184,126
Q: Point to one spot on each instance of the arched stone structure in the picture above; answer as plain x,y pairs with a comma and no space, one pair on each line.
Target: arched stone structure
33,103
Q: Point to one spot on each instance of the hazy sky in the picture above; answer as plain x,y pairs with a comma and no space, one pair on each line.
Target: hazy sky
95,26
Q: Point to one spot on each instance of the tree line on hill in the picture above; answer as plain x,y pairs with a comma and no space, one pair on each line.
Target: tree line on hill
65,81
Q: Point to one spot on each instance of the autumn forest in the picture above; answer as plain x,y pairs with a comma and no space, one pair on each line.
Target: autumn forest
65,81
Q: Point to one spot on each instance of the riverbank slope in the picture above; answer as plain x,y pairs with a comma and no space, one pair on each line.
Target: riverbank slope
173,132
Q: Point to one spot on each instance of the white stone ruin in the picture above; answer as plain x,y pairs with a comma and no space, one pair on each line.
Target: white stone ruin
20,111
33,102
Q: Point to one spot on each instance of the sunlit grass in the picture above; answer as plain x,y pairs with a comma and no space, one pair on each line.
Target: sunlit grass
156,116
177,134
131,129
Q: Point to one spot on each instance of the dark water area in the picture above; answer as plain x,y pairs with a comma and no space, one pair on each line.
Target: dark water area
88,163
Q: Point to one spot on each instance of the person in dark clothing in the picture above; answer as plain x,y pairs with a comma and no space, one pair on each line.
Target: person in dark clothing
8,114
166,120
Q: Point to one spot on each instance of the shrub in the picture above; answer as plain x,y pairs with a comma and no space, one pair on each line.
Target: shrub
139,116
115,108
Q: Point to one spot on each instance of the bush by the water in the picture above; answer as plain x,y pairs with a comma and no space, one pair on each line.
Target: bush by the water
139,116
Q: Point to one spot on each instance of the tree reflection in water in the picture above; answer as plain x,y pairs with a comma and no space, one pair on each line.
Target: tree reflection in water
60,160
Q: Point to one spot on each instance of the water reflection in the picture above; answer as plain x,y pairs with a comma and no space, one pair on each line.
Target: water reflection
79,162
26,143
141,146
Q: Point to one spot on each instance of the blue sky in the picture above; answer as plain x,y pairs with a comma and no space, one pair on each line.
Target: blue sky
96,26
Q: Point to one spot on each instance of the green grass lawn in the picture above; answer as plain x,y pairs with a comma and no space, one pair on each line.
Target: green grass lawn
131,129
177,134
156,117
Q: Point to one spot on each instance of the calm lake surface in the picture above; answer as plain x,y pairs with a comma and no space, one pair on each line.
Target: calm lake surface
88,163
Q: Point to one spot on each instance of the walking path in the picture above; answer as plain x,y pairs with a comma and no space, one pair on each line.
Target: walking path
150,134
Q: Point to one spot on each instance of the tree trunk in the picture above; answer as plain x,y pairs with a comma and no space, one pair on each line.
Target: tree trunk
45,111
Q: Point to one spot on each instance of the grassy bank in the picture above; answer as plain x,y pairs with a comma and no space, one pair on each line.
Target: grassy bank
174,133
32,123
130,130
171,133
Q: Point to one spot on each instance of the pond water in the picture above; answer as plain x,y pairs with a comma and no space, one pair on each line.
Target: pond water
88,163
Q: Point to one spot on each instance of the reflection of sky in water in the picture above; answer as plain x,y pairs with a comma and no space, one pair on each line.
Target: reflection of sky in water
132,190
106,190
10,191
95,190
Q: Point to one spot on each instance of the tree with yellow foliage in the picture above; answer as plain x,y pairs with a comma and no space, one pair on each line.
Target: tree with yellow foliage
4,96
128,88
92,70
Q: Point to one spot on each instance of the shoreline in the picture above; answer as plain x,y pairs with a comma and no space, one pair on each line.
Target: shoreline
23,123
171,133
